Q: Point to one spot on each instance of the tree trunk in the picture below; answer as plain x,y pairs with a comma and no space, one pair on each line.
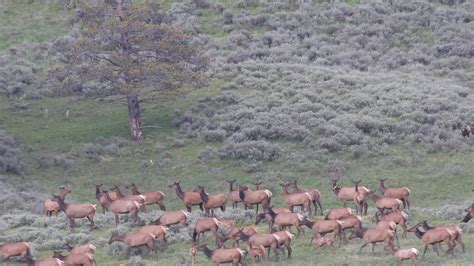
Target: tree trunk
134,118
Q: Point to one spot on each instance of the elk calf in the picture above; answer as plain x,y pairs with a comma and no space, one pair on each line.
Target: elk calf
405,254
322,241
257,252
84,259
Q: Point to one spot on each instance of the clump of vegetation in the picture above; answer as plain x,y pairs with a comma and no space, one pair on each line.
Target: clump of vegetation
102,147
11,157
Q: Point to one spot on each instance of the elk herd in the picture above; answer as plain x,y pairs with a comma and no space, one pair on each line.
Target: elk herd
390,214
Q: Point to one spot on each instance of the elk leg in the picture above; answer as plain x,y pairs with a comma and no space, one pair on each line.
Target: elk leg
408,203
373,248
214,231
201,207
298,228
320,208
162,206
435,248
459,240
289,251
188,208
366,206
424,251
404,226
365,244
91,220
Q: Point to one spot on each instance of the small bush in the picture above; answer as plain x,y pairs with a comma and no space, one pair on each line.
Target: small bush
208,153
135,261
179,143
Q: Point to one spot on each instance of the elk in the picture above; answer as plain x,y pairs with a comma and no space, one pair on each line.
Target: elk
159,232
372,236
190,198
249,197
383,203
269,241
398,217
74,211
284,240
223,255
338,213
390,225
229,223
101,198
405,254
154,197
233,234
346,194
212,202
79,249
168,218
285,219
136,239
233,194
140,199
257,252
401,193
453,228
122,206
21,249
50,206
433,236
204,225
353,222
262,215
466,130
315,195
325,226
45,262
322,241
85,259
469,214
302,199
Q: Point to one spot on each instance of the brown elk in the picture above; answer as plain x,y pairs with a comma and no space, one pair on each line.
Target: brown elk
405,254
284,240
401,193
74,211
315,195
223,255
101,197
45,262
140,199
322,241
79,249
158,231
283,220
50,206
229,223
168,218
206,224
269,241
453,228
433,236
249,197
212,202
469,214
346,194
233,234
302,199
466,130
153,197
262,215
233,194
390,225
350,222
320,228
85,259
136,239
121,206
372,236
398,217
21,249
190,198
338,213
257,252
383,203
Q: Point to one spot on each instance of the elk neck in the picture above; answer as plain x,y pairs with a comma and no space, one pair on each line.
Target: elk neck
204,195
179,192
208,251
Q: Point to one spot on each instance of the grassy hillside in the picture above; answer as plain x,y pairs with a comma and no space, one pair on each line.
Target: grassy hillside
365,118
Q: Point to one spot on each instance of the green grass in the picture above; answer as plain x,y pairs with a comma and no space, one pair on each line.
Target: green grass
34,22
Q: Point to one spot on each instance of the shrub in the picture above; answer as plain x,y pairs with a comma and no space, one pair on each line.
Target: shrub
135,261
11,157
179,143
